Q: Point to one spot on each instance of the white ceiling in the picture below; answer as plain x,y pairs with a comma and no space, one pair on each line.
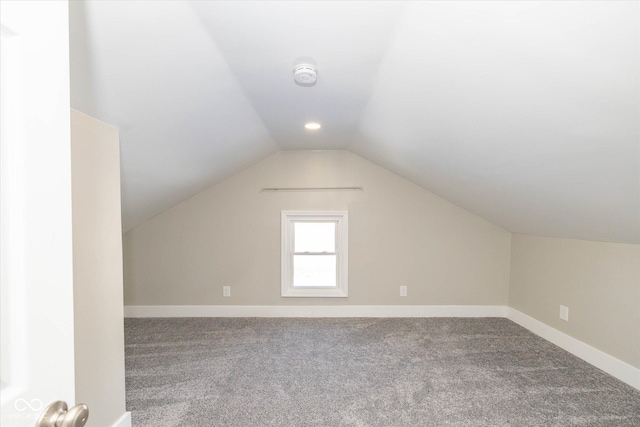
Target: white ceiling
525,113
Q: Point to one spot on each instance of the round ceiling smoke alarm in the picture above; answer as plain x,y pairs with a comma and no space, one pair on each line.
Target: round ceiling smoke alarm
305,74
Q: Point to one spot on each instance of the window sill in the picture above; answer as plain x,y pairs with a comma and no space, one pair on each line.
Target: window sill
315,293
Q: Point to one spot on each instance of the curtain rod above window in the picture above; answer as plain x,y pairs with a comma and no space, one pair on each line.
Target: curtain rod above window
275,189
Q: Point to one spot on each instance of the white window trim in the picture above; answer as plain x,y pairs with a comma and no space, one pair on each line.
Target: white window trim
342,245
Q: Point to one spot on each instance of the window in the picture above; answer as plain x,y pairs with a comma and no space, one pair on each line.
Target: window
314,254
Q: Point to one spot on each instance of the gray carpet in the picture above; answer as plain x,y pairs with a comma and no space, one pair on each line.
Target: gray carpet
362,372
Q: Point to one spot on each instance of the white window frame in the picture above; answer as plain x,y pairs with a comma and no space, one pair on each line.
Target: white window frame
341,218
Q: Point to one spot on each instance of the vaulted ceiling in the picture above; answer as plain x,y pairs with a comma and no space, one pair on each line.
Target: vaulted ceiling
525,113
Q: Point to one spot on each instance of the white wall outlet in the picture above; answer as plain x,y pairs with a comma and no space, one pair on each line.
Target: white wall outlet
564,313
226,291
403,291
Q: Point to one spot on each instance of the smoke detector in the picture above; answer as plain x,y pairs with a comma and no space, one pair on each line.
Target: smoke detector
305,74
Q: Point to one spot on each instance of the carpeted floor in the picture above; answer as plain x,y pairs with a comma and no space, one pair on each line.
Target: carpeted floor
362,372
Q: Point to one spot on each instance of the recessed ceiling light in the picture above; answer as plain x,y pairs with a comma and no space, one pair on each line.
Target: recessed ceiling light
312,126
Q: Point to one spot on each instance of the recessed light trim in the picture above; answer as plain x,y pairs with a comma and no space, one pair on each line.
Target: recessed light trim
312,126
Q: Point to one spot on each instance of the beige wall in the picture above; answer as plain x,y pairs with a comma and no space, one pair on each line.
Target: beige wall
399,234
97,269
599,282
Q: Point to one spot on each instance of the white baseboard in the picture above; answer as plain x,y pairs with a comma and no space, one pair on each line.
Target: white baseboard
614,367
315,311
123,421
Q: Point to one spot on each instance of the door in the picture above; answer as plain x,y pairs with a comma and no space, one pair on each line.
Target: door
37,361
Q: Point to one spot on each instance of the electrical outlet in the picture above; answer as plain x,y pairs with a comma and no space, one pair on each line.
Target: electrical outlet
564,313
403,291
226,291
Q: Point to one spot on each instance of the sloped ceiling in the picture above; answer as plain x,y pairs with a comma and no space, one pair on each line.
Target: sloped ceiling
525,113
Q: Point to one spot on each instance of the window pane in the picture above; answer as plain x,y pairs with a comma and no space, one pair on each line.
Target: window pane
314,236
314,271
